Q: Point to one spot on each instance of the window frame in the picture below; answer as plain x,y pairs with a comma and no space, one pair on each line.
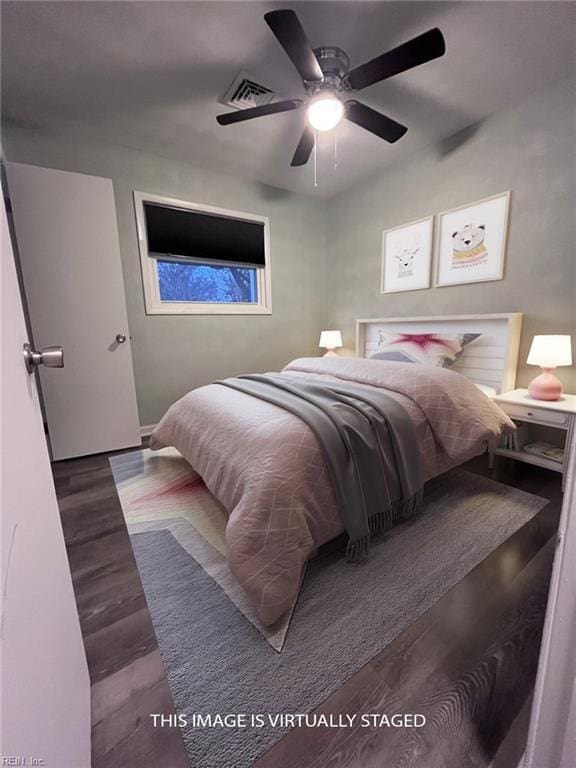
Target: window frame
152,301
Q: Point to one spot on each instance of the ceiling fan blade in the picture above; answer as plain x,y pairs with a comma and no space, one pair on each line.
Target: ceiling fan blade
291,36
375,122
304,148
419,50
239,116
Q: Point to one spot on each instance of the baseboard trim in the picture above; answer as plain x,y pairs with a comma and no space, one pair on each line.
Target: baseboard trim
147,429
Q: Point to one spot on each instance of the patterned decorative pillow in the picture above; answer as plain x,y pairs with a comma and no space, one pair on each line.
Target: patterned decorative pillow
423,348
465,339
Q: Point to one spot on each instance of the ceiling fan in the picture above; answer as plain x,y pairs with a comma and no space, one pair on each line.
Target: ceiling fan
327,81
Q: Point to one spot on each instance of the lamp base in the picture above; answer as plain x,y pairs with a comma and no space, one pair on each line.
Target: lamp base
330,353
546,386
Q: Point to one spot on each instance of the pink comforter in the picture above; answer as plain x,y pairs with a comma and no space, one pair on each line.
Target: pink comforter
265,465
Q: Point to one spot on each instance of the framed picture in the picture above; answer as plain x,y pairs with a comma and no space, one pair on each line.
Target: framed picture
472,242
406,256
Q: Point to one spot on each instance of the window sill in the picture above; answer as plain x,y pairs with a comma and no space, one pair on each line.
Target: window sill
207,309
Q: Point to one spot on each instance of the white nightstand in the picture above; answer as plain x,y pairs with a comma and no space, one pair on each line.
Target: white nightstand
559,414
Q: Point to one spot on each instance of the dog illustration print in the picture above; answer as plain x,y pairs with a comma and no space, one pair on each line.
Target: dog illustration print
468,246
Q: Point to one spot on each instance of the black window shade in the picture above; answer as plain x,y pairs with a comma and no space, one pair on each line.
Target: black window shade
187,234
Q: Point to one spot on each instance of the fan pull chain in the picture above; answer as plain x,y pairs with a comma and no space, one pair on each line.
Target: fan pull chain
315,160
336,148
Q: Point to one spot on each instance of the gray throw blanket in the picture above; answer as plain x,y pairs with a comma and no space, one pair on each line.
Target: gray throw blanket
368,442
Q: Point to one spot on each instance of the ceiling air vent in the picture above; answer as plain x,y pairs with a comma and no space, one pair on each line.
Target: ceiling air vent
245,92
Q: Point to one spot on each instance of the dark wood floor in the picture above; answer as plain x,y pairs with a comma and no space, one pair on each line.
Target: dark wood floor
468,663
126,672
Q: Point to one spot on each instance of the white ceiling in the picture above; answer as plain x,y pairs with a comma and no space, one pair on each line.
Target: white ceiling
148,75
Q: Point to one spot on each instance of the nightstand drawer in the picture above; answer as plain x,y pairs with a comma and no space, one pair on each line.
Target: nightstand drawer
537,415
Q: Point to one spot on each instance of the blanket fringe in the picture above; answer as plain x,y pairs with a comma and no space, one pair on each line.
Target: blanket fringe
357,550
400,509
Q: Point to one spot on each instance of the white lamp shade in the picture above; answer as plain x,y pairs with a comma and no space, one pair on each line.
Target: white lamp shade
330,339
550,351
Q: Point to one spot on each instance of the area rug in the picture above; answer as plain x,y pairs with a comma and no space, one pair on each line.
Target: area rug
219,663
160,491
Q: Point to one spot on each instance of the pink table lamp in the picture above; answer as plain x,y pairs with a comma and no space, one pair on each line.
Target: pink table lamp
548,352
330,340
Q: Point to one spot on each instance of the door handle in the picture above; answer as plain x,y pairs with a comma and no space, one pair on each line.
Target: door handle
51,357
120,338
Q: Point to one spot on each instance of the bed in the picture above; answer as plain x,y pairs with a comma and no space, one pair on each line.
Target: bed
266,467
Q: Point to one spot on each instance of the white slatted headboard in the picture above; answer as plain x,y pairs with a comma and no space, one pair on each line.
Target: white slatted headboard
491,359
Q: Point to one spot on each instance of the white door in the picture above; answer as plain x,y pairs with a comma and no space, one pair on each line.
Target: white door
68,245
45,687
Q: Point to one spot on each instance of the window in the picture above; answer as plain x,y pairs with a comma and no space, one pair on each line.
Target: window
202,282
202,260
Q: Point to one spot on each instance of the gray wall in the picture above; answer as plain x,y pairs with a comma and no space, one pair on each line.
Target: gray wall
530,149
326,255
173,354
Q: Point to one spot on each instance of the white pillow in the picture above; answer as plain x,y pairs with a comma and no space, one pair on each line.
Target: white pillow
488,391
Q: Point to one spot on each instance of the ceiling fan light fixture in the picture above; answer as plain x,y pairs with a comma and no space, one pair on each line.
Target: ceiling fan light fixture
325,112
326,76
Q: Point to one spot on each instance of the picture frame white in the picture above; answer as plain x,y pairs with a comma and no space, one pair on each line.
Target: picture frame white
407,256
471,242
